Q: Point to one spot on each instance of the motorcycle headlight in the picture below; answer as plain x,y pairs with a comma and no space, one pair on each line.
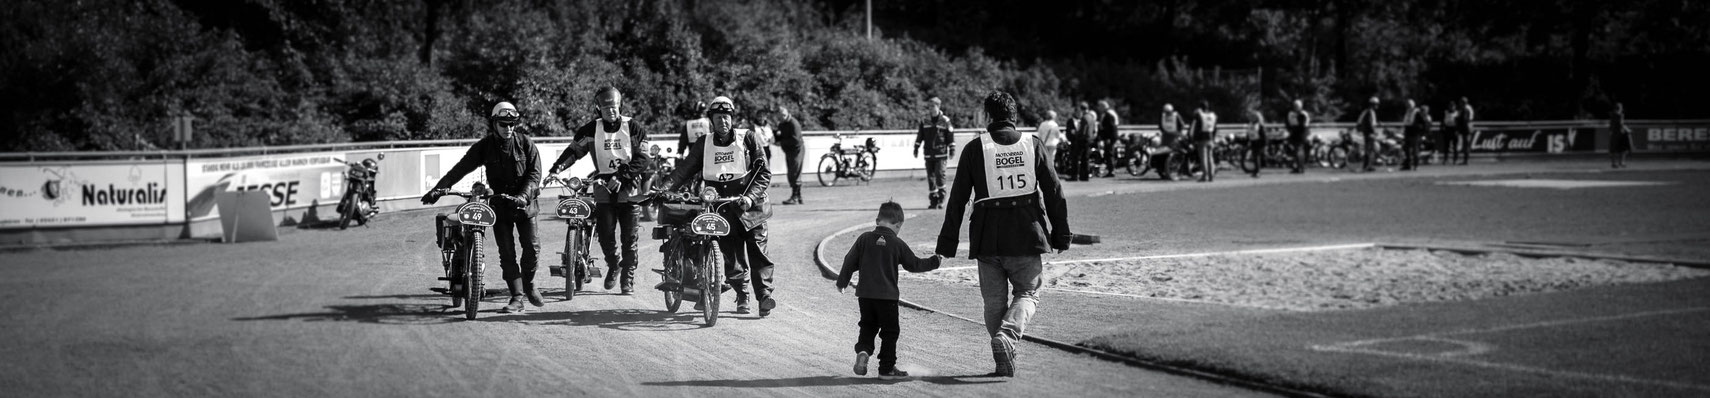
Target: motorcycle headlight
573,183
709,194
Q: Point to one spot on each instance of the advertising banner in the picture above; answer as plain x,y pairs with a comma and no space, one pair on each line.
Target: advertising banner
91,194
1671,138
291,181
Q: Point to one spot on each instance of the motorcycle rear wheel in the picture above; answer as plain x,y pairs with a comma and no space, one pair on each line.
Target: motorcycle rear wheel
472,273
674,270
1139,163
710,284
1338,157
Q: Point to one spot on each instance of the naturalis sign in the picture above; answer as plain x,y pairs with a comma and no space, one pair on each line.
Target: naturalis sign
88,194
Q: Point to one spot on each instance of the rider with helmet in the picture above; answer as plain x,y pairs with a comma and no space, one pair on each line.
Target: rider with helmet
695,126
620,161
733,162
513,170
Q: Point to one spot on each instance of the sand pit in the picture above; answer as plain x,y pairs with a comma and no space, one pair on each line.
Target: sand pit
1341,279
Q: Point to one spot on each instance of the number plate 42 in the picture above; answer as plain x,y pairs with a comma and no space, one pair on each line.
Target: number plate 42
477,214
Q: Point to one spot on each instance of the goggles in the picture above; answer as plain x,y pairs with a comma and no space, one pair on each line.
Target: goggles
721,107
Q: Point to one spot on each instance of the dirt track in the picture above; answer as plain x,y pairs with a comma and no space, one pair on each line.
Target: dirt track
348,313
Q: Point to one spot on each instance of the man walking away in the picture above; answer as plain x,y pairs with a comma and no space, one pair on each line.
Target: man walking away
1256,140
1464,128
1170,136
1107,123
1051,134
1006,176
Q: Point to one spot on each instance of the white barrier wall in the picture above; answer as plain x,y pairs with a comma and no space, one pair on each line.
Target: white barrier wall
87,194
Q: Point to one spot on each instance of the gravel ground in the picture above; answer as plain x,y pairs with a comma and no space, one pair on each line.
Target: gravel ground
1342,279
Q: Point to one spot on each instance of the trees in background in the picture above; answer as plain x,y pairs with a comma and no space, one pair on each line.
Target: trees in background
109,74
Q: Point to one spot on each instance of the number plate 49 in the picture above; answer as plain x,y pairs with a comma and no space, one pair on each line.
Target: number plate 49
477,214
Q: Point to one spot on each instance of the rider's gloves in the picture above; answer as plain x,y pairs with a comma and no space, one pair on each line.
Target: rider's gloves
431,197
745,202
517,201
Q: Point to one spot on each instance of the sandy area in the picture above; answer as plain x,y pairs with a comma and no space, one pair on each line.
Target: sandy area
1341,279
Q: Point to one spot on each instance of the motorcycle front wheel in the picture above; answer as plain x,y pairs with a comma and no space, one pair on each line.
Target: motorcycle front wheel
867,163
349,211
827,170
711,283
472,289
574,268
1139,163
1338,157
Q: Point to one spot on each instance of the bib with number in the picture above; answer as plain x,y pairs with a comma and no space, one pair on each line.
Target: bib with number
725,163
611,148
698,128
1009,168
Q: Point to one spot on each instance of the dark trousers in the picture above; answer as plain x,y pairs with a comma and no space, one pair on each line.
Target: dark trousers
1078,159
935,175
1108,146
607,218
745,260
1298,139
512,223
1369,148
1258,154
793,165
1207,161
1464,143
879,318
1410,151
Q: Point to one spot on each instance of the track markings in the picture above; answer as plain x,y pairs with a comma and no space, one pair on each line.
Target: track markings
1208,254
1553,184
1396,347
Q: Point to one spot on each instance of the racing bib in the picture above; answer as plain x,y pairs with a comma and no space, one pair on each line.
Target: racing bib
725,163
698,128
1009,168
611,148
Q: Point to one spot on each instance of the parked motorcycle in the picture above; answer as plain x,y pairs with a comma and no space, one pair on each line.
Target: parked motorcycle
458,235
358,203
576,207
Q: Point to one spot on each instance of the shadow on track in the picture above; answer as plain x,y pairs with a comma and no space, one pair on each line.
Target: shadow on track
621,319
395,314
821,381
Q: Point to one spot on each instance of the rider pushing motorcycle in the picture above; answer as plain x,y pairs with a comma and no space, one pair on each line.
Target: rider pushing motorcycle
620,160
733,162
513,171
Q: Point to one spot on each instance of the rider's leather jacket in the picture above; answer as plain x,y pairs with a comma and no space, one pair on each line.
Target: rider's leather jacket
630,175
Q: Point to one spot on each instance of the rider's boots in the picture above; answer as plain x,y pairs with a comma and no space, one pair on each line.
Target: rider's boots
741,302
628,282
516,304
795,196
612,272
531,293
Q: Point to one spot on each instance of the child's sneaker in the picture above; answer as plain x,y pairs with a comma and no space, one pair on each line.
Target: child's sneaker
861,363
892,373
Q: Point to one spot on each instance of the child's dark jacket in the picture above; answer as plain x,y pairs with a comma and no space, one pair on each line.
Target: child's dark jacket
876,255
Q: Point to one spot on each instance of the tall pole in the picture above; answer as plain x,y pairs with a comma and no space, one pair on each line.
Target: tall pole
869,20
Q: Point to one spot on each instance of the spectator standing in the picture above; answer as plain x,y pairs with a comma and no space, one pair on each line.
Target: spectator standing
1204,134
940,141
790,140
1298,123
1367,126
1170,127
1256,140
1416,128
1620,137
1464,129
1051,134
1107,123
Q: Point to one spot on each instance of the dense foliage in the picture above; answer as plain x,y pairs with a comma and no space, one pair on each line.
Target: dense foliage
108,74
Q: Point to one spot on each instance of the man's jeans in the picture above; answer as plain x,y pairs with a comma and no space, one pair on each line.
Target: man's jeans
1002,275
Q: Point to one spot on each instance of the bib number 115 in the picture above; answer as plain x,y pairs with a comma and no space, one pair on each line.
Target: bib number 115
1016,181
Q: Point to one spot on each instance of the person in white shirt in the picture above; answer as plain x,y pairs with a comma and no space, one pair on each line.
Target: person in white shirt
1051,133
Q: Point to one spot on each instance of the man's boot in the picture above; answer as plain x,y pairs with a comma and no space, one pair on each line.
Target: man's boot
795,196
531,293
741,302
628,282
516,304
612,272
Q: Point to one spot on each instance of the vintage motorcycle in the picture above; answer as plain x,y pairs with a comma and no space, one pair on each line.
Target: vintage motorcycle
359,203
858,163
458,236
576,207
694,267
